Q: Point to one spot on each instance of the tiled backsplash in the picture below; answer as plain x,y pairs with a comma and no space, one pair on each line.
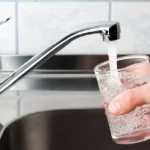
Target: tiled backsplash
135,25
36,25
41,24
8,32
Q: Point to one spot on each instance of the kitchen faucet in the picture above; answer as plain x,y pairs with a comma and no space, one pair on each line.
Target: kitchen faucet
108,30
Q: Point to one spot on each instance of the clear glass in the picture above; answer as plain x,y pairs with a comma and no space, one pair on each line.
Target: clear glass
133,127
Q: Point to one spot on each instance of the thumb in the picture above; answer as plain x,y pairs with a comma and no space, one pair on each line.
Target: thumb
130,99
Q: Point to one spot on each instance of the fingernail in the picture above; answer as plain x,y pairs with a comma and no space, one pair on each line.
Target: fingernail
115,107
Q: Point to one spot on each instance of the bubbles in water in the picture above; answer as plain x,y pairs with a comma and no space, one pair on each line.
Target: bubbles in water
133,121
114,83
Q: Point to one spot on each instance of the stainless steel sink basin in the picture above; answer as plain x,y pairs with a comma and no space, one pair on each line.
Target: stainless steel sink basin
82,129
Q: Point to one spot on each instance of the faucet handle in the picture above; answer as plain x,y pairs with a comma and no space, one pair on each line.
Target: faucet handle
4,21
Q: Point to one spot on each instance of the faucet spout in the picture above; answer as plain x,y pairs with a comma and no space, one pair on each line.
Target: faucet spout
109,30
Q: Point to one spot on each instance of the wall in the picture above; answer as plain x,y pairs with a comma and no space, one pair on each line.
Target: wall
37,24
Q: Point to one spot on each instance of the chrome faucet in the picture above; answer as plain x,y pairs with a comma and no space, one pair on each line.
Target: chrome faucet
109,30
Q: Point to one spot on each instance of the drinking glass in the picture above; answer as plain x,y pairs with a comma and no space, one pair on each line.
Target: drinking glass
134,126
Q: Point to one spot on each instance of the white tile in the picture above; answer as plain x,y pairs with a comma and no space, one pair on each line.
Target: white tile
8,108
60,100
7,31
135,25
42,24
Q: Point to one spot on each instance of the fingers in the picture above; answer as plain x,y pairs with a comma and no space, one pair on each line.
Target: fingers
143,69
130,99
102,104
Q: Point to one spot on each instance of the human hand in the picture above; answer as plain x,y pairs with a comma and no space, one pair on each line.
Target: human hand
130,99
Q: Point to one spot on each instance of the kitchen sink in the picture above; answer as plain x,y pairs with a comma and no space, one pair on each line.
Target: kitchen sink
83,127
78,129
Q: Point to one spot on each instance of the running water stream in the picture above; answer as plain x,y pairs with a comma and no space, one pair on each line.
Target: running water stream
112,54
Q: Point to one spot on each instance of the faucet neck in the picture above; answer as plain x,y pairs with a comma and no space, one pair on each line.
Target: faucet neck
109,31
